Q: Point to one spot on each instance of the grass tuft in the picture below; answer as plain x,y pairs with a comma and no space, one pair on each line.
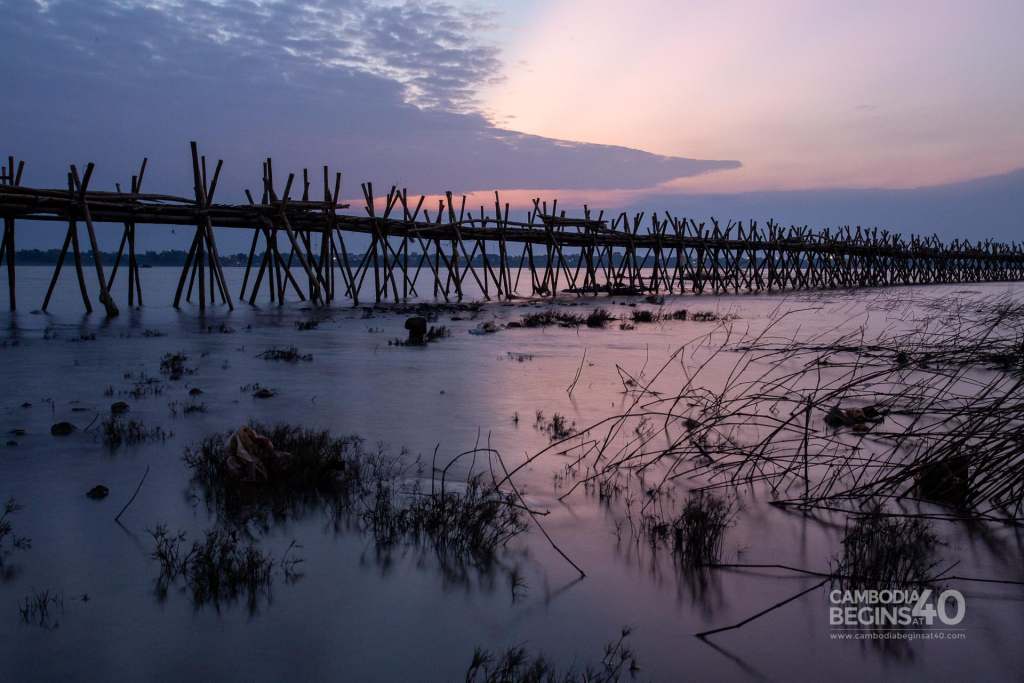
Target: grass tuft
552,317
10,541
697,533
515,664
223,567
887,552
473,524
288,354
116,430
173,366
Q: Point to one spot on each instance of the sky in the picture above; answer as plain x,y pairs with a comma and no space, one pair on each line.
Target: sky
806,94
809,112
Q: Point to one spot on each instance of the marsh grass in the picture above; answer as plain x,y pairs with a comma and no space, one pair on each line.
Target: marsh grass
599,317
641,315
35,609
173,366
517,665
881,552
938,431
186,407
143,385
10,541
708,316
221,568
696,534
552,317
472,525
318,467
367,486
116,430
557,428
435,333
288,354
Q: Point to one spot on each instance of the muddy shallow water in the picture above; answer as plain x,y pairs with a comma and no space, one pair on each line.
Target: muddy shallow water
358,613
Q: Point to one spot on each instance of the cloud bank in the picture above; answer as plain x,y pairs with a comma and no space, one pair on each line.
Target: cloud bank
384,92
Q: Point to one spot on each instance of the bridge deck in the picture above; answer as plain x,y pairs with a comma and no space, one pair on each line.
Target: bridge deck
663,253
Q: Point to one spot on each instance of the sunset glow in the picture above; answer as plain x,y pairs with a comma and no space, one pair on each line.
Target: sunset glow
805,94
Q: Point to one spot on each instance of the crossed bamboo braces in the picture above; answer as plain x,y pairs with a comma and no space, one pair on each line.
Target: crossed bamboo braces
588,255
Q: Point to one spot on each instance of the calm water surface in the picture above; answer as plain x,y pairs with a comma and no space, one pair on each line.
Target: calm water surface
360,614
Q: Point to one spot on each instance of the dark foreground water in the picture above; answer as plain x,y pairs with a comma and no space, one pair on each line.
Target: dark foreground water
361,614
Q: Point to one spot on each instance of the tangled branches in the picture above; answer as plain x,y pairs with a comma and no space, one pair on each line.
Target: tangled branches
849,421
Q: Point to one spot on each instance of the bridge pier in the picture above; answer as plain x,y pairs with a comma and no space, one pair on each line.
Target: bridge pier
11,177
625,254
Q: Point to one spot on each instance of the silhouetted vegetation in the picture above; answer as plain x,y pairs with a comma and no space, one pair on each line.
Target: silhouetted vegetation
9,541
223,567
887,552
516,665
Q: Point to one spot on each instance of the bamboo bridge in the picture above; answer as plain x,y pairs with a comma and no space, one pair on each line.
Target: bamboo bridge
625,254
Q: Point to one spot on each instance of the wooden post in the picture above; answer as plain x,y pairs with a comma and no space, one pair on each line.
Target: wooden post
81,186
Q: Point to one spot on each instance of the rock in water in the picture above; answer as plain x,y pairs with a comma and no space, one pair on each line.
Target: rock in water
98,492
417,326
119,408
62,429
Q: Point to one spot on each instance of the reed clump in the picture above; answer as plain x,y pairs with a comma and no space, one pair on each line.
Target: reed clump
36,609
298,469
558,427
551,317
143,385
642,315
881,552
117,430
516,664
599,317
289,464
433,334
473,524
10,541
173,366
186,407
288,354
222,567
696,534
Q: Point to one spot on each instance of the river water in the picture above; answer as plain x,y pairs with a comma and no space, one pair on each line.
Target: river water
361,614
